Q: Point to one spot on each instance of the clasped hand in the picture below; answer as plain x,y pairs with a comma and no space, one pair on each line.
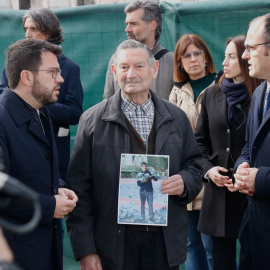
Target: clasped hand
221,180
65,202
245,179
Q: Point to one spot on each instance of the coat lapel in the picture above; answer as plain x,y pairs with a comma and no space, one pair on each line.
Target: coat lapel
164,122
37,131
221,109
21,114
259,122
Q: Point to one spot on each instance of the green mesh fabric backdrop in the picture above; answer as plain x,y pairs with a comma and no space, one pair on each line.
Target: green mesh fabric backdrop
92,33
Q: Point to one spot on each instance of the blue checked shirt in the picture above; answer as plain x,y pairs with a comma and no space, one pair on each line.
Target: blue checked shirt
140,116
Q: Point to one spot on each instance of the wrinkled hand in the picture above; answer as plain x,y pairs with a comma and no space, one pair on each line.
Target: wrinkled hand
173,185
245,179
90,262
230,186
217,178
65,202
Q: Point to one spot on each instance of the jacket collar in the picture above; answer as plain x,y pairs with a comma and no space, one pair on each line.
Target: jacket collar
181,84
21,112
16,106
186,87
113,112
260,105
221,103
157,47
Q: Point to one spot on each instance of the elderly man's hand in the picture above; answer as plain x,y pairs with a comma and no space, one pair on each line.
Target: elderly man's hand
173,185
90,262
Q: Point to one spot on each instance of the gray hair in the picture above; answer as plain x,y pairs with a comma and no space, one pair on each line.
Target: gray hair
133,44
47,23
152,12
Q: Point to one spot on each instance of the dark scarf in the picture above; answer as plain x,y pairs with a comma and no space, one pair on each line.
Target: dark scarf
236,93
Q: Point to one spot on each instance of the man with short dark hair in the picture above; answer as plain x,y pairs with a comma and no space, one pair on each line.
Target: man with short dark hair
144,24
252,176
134,120
146,191
29,151
43,24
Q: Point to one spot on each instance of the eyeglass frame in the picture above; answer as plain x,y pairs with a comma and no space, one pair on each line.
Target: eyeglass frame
52,70
248,47
185,55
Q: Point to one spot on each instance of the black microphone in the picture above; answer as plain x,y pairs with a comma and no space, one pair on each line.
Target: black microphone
12,188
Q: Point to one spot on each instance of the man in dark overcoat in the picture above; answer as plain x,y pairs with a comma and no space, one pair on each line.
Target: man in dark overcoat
29,151
134,120
252,176
43,24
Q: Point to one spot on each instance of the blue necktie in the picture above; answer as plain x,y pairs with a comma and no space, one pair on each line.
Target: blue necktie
267,103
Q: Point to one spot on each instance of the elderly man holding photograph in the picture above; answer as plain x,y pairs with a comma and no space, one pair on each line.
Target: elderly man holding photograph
134,120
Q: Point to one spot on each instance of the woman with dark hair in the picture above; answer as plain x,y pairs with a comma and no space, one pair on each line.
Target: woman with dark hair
220,133
194,71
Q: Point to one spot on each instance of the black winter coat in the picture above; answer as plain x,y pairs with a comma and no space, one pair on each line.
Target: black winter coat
94,175
221,144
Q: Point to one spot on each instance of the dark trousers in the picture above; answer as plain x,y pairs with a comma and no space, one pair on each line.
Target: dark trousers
224,253
145,251
144,195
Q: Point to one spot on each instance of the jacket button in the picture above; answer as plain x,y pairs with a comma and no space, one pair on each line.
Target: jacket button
119,231
48,156
227,150
228,131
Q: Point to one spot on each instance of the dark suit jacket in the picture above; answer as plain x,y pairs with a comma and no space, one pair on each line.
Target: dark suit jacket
31,157
256,223
66,111
221,144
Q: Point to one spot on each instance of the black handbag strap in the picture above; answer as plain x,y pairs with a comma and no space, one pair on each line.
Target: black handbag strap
160,54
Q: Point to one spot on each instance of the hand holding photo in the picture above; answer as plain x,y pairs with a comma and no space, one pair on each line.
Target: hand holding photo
140,199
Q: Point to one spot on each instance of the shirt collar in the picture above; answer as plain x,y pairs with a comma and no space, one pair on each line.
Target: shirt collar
129,106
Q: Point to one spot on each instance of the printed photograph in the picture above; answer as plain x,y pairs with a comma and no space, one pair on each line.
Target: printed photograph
140,200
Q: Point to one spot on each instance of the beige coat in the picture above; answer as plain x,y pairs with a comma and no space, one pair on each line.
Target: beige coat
184,99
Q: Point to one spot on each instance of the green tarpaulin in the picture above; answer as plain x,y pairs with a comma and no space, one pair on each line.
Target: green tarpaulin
92,33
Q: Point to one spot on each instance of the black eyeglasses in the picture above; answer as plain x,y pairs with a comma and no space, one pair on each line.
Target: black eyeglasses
248,47
54,71
195,54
